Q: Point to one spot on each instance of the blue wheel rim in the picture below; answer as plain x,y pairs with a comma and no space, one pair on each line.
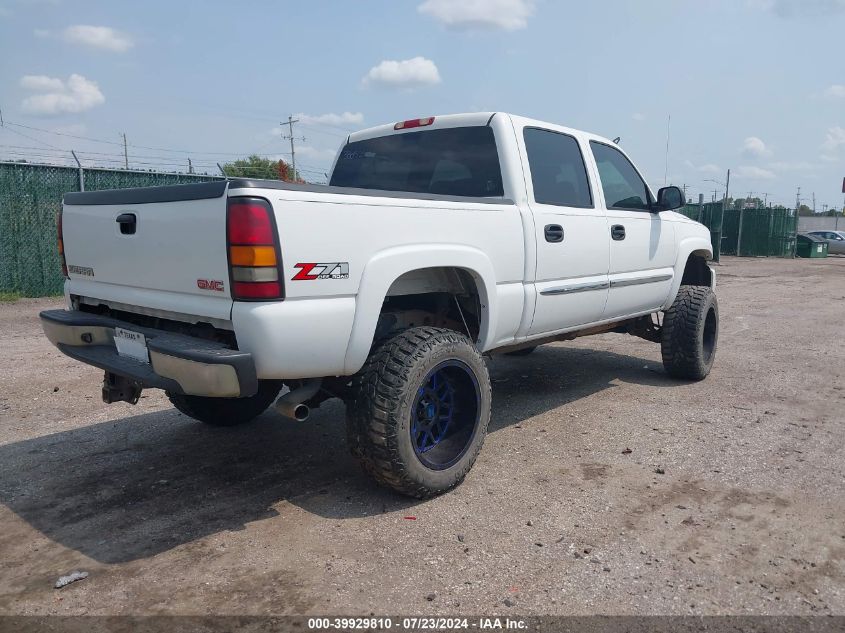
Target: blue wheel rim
445,414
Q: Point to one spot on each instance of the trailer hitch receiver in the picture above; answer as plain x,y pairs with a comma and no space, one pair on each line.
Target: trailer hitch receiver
120,389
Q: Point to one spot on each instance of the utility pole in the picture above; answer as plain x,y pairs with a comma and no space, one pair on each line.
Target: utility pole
1,118
814,203
190,166
125,153
722,215
290,137
666,170
797,201
685,193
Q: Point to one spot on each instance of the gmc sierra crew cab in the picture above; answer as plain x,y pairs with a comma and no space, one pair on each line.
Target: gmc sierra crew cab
438,242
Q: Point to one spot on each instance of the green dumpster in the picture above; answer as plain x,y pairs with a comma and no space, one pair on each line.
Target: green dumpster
810,246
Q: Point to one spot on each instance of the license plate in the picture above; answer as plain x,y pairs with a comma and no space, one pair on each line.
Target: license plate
131,344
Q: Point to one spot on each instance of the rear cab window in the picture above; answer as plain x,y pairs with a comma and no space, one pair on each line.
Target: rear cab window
462,161
558,172
621,183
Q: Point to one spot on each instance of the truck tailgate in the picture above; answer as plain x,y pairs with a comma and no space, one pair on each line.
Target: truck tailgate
171,253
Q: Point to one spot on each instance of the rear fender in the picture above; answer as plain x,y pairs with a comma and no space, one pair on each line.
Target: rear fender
388,265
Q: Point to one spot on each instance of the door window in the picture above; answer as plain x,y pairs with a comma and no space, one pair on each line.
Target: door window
558,173
622,186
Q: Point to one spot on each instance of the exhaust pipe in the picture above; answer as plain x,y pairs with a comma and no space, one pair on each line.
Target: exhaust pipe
292,404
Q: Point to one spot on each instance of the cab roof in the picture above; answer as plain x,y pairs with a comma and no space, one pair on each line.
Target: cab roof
442,121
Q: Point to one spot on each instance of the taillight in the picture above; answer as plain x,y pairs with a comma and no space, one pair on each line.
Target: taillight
61,243
404,125
255,262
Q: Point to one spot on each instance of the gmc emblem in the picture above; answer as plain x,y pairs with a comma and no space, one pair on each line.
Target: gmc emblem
210,284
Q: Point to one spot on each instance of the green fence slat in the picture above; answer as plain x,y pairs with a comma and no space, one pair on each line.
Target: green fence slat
30,199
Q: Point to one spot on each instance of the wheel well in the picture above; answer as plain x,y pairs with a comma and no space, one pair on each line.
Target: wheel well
443,297
696,271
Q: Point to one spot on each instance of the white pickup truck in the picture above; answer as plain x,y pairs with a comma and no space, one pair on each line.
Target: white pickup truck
438,241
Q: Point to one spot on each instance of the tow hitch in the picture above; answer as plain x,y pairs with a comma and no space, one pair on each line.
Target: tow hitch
119,389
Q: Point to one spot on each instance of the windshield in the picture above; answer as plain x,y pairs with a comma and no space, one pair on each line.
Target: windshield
454,161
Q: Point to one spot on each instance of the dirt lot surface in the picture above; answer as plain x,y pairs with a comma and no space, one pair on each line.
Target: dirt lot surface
731,500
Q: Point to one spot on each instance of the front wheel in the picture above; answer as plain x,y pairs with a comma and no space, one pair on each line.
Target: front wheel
419,411
690,333
227,411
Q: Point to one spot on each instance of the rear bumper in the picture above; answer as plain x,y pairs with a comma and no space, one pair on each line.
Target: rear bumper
178,363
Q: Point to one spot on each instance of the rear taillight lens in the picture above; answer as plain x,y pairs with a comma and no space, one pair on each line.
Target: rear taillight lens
61,243
255,260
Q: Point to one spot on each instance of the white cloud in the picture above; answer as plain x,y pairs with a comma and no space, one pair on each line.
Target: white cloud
102,37
710,168
41,83
509,15
41,33
55,96
834,140
707,168
638,116
835,90
753,147
344,118
751,172
408,73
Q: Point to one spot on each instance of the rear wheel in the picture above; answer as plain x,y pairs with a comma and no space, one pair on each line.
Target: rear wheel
420,409
690,333
227,411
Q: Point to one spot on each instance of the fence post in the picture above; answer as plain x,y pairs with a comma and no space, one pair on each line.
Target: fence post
81,172
739,232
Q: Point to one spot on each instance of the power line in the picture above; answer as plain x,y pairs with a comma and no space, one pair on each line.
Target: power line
118,143
26,136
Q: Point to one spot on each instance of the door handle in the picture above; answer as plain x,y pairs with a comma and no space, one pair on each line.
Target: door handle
553,232
128,223
617,232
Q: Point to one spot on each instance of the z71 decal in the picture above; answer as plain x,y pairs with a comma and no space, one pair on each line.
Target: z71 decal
331,270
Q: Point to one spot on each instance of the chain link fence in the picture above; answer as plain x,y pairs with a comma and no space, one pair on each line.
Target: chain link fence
747,232
30,199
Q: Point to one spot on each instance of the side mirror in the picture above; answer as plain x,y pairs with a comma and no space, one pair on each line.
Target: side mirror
669,198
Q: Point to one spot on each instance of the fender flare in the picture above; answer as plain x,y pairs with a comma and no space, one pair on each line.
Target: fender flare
388,265
686,247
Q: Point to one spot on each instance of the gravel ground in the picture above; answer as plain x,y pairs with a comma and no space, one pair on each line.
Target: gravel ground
730,501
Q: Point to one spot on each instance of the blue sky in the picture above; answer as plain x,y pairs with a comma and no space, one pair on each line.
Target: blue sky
757,86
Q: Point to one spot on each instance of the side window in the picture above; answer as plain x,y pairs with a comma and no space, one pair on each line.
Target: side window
623,188
558,172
